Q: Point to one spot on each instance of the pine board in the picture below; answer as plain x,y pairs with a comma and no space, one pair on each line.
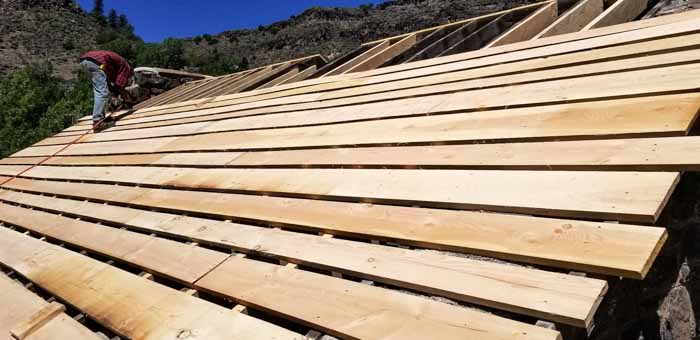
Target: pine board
349,309
557,293
624,196
174,260
21,305
130,305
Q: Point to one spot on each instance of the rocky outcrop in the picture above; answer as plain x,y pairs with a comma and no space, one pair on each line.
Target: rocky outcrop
54,31
151,81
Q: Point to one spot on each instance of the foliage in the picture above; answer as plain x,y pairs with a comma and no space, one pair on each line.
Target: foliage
216,63
113,18
37,105
168,54
98,12
123,22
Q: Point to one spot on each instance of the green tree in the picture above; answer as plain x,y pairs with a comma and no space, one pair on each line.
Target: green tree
216,63
123,21
113,18
98,12
168,54
35,105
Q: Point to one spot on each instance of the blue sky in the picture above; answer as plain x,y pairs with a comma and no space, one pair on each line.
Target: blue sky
156,20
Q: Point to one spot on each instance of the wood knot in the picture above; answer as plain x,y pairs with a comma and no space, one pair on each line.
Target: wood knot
184,334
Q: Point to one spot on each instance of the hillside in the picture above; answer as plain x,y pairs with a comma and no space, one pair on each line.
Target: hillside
44,30
58,30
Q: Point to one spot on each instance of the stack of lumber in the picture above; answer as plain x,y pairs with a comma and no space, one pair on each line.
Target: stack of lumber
314,205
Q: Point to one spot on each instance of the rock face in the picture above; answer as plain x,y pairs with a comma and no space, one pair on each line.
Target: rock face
149,81
44,30
676,317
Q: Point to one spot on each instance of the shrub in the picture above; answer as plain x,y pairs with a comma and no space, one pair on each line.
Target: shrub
37,104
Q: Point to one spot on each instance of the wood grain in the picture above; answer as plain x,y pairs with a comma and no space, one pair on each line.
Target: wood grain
397,266
350,309
574,19
385,55
639,154
527,28
175,260
624,196
587,120
620,12
19,307
130,305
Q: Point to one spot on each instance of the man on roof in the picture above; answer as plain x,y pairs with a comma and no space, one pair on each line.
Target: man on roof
110,73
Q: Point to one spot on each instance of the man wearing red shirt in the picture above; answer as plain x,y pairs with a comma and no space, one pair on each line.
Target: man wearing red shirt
106,68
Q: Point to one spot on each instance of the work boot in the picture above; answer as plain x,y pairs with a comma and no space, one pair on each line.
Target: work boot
98,127
101,125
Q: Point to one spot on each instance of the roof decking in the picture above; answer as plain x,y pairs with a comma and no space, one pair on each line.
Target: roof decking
283,199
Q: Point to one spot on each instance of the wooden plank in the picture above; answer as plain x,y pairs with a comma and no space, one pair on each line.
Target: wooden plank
455,277
643,154
677,78
184,96
237,78
417,49
250,81
22,161
281,79
527,28
26,328
444,43
199,88
646,29
578,45
214,85
622,196
606,248
170,94
306,73
20,306
588,120
489,16
344,68
467,77
215,91
131,306
341,307
13,170
658,22
157,98
574,19
384,55
230,112
297,99
479,38
338,62
620,12
171,259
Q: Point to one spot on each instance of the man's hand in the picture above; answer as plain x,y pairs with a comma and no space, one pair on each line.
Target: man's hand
127,97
